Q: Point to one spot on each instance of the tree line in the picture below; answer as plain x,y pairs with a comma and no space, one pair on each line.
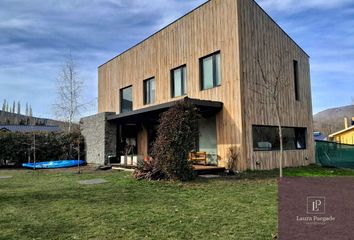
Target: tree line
16,108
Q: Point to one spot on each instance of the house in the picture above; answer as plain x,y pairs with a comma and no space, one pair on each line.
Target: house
26,128
345,136
214,56
318,136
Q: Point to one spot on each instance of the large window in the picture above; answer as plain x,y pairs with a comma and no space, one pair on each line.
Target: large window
210,71
296,80
126,99
149,91
266,138
179,81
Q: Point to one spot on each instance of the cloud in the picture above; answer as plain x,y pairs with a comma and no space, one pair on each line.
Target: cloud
302,5
36,36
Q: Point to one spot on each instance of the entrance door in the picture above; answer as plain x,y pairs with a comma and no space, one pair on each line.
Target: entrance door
207,139
127,142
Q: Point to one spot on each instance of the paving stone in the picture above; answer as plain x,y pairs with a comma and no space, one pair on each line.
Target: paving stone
123,169
92,181
209,176
5,177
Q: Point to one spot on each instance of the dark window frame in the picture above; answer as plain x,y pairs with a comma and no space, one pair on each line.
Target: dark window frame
305,147
121,98
296,79
172,77
201,72
145,95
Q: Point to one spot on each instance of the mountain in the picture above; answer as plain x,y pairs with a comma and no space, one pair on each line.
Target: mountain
332,120
7,118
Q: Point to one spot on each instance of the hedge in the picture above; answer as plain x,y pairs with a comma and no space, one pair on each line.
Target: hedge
18,147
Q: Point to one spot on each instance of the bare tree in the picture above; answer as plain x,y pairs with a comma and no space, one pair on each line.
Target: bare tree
27,109
270,91
30,111
69,91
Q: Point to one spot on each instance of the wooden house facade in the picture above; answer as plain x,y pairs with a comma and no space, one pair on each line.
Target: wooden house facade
218,55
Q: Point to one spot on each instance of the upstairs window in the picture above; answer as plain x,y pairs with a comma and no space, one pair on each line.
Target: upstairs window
179,81
149,91
126,99
210,71
296,80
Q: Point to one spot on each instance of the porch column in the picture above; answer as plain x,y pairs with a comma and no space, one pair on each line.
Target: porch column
100,138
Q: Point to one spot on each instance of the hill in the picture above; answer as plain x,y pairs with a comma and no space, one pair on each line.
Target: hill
7,118
332,120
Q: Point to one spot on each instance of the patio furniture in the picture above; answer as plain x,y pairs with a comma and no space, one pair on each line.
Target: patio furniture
198,157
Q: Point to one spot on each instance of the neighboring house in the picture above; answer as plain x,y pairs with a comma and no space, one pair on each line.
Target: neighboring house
26,129
318,136
209,55
345,136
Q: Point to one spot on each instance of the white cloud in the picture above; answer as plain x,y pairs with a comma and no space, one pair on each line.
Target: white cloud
36,34
301,5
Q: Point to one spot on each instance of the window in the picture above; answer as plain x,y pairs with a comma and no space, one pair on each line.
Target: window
296,80
266,138
178,84
210,71
126,99
149,91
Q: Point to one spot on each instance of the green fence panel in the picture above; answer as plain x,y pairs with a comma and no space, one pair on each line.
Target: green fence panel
331,154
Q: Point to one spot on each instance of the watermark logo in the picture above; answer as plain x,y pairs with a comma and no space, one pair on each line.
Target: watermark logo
316,205
316,208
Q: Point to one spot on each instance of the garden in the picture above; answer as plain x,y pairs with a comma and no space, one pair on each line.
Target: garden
48,204
169,201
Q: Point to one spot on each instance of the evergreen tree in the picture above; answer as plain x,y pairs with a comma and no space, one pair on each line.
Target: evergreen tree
18,107
13,107
30,111
4,105
7,107
27,109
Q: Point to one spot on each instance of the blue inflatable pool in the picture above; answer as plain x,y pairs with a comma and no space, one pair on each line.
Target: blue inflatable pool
54,164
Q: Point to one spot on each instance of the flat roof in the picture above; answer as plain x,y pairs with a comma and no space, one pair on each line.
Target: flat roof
152,111
190,13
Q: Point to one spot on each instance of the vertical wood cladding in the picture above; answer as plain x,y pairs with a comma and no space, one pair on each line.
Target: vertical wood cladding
260,36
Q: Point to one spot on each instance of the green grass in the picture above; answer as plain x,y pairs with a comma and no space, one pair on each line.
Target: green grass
40,205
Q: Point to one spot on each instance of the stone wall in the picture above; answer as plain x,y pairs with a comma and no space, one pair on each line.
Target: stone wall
100,138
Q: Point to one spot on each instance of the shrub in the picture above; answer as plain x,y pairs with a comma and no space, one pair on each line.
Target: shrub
233,159
177,135
148,170
18,147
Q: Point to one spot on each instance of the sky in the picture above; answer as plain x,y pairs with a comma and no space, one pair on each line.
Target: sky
36,36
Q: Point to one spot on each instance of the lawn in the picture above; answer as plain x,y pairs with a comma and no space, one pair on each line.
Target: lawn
53,205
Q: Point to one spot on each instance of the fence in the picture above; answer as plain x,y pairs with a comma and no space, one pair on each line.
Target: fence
331,154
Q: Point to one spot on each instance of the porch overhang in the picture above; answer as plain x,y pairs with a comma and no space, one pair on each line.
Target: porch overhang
206,108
